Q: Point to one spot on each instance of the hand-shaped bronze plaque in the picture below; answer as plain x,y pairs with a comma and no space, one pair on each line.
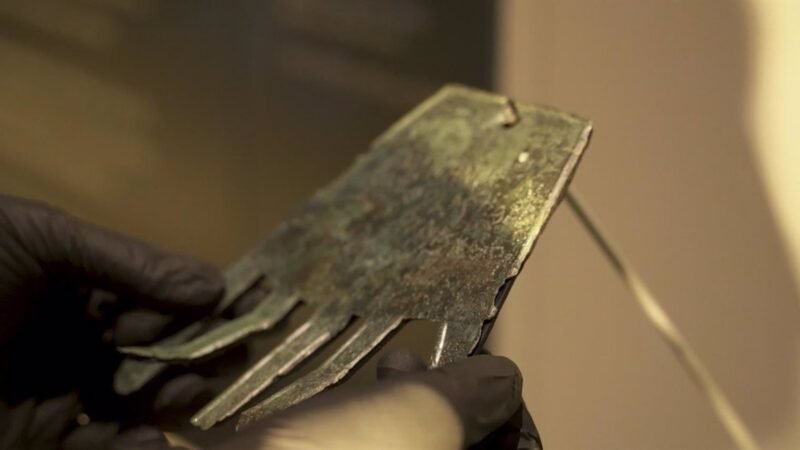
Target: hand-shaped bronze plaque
433,222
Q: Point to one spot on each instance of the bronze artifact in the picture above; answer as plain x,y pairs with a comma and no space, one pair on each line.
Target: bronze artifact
434,222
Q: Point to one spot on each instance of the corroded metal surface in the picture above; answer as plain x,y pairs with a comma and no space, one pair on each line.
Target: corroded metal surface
434,222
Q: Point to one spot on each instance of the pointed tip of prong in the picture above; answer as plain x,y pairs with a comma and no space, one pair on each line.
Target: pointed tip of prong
245,420
277,403
204,420
142,352
259,413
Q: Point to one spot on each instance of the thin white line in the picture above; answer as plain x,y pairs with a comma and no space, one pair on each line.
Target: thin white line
680,346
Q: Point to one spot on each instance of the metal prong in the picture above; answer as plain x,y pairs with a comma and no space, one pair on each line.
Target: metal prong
368,337
455,340
133,374
301,344
263,317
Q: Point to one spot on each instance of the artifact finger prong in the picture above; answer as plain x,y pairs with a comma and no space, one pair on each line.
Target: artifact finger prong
300,345
455,340
366,339
269,312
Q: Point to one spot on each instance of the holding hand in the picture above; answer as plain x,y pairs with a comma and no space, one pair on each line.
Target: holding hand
69,293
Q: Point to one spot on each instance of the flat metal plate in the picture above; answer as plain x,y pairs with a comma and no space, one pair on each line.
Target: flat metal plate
433,222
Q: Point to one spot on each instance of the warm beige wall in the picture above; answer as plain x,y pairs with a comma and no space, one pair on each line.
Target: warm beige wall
671,174
774,111
128,113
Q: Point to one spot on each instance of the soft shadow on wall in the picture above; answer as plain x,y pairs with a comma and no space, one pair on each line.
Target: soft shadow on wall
199,125
108,110
671,174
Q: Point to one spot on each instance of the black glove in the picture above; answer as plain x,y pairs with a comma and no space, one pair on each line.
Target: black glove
69,293
484,390
467,403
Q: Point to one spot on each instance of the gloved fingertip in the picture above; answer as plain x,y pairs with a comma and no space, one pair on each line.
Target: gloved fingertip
139,327
399,361
94,436
189,284
52,417
141,438
102,305
125,266
249,300
14,423
182,393
529,434
490,366
485,390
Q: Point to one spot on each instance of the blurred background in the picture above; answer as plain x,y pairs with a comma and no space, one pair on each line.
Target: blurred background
197,125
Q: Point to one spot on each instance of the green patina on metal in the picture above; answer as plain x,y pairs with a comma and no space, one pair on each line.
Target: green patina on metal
433,222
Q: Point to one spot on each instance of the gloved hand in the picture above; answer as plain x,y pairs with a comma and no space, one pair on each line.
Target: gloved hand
70,292
472,402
